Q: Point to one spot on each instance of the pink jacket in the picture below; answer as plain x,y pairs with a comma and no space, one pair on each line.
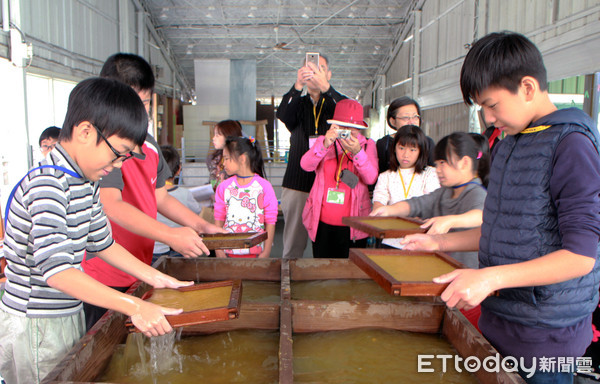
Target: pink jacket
366,167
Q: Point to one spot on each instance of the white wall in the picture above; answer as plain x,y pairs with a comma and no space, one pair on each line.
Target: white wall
70,40
13,130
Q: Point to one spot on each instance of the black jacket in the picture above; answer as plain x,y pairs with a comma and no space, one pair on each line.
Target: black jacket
297,113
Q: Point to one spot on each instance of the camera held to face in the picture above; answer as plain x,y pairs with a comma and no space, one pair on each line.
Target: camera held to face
343,133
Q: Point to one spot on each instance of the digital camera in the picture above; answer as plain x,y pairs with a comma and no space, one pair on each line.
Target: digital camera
343,133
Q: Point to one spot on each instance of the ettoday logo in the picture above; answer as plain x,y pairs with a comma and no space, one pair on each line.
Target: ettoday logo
495,363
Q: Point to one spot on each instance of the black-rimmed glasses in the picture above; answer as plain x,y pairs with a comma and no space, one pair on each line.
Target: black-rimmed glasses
47,148
118,155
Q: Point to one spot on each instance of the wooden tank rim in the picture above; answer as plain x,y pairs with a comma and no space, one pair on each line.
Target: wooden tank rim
89,357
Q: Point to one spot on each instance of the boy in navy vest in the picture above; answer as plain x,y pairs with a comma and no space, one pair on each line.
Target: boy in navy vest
538,245
55,217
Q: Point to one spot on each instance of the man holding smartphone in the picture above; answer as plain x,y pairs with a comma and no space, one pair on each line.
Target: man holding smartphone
305,117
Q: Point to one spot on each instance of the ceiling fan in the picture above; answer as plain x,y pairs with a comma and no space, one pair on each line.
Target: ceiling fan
278,46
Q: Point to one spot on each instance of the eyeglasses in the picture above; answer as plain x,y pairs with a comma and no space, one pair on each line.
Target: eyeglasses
407,119
119,156
47,147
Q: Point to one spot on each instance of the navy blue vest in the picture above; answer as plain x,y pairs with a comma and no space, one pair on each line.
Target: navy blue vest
520,223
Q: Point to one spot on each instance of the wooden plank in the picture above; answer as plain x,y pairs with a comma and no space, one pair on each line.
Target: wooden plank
317,316
286,363
323,269
385,226
469,342
252,316
212,269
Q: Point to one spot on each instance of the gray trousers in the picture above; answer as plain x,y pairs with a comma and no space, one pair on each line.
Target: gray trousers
31,347
294,232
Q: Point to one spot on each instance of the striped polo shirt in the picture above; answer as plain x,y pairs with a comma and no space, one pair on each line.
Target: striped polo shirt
54,218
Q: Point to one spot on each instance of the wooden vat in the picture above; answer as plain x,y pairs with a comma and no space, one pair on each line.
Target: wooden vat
90,356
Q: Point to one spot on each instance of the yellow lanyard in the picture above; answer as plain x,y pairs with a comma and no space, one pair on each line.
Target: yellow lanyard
339,171
406,191
317,116
535,129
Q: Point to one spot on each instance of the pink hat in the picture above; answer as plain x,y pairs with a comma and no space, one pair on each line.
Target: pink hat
348,113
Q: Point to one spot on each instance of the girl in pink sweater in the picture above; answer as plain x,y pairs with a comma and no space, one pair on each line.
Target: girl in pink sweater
246,201
345,162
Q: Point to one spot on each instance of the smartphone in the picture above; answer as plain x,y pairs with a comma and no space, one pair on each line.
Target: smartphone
312,57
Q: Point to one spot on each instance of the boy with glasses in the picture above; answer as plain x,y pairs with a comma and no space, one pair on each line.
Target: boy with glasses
48,139
56,217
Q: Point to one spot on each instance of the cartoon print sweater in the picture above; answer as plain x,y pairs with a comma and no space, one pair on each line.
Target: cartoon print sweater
246,208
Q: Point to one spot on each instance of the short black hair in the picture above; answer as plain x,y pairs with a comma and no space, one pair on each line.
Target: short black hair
172,158
49,133
399,103
500,59
411,136
130,69
111,106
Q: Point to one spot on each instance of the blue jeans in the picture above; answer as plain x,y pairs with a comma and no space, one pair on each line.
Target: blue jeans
548,377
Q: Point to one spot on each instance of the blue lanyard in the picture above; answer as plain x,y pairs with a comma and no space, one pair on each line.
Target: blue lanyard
14,190
467,183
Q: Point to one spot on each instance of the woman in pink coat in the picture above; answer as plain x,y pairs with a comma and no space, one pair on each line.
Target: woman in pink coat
345,162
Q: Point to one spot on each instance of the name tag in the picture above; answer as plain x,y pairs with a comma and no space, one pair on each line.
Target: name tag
335,197
312,140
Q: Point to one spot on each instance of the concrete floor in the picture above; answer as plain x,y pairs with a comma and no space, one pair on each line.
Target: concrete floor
277,249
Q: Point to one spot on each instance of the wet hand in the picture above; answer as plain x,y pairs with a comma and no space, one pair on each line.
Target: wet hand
150,318
467,288
161,280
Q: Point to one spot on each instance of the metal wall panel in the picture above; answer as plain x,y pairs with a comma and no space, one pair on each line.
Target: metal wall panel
72,38
442,121
567,33
401,69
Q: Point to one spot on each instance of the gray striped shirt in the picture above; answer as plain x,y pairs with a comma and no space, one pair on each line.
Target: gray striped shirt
54,219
